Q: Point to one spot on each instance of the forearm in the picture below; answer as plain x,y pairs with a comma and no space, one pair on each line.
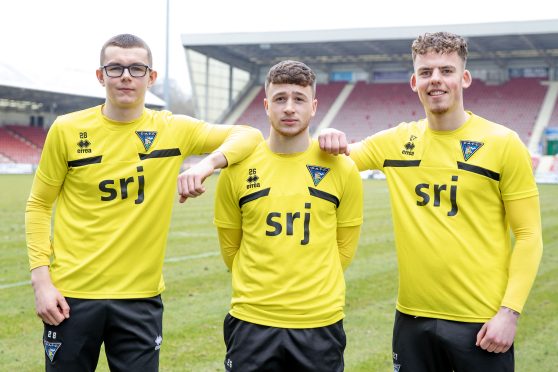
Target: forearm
216,159
239,143
347,243
40,276
38,214
229,241
524,217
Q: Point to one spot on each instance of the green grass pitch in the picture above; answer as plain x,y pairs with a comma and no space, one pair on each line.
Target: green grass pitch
198,289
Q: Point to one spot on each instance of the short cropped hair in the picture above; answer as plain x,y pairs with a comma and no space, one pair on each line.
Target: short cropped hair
127,41
440,42
291,72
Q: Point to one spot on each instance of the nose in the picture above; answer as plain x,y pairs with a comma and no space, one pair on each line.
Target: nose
436,75
289,106
126,73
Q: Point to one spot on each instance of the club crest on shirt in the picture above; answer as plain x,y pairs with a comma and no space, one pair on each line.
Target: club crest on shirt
468,148
317,173
146,138
51,348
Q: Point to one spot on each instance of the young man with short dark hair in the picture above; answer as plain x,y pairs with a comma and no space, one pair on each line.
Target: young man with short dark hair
288,218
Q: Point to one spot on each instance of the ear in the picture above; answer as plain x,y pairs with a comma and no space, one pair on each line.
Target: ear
314,106
266,106
413,82
152,78
100,76
467,79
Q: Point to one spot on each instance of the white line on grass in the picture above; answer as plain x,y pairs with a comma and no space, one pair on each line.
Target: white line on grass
12,285
192,257
170,259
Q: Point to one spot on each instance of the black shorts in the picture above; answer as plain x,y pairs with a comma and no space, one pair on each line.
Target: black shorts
436,345
253,347
130,329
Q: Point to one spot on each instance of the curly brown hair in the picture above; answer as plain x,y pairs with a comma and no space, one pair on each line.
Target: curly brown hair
291,72
440,42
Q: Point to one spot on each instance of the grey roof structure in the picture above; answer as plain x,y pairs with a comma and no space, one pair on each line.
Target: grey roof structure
487,41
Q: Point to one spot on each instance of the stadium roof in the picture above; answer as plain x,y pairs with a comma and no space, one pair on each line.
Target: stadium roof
537,40
23,89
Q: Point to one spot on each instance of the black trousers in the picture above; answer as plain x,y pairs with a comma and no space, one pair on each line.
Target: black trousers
436,345
130,329
253,347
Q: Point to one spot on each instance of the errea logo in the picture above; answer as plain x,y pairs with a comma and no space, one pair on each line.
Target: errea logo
252,180
228,364
158,342
408,148
83,144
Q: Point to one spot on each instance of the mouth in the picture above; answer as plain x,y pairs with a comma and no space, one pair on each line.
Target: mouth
436,92
289,121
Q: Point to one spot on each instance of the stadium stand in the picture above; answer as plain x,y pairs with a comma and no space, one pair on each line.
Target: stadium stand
254,114
554,117
515,103
34,135
15,149
374,107
326,94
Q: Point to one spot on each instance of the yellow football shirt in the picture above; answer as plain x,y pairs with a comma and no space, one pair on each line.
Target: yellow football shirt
117,185
447,191
287,272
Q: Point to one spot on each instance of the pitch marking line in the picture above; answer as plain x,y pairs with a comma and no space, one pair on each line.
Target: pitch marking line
170,259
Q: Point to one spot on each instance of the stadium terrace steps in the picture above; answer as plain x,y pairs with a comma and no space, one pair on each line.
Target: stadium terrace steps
372,107
554,117
515,103
16,149
34,135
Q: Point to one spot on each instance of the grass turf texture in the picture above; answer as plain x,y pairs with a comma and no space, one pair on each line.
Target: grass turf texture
198,289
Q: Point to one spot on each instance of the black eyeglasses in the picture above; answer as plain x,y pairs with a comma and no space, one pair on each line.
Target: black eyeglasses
135,70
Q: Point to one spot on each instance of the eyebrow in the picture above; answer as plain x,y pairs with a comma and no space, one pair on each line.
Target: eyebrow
432,68
300,94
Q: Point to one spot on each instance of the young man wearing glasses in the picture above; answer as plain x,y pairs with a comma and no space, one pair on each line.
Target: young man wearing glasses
111,170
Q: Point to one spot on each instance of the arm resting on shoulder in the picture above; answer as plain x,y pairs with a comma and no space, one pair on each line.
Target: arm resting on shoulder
230,144
229,240
190,182
236,142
